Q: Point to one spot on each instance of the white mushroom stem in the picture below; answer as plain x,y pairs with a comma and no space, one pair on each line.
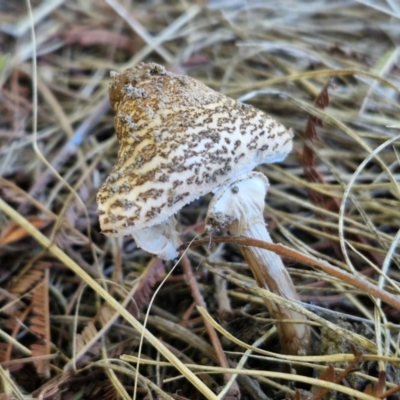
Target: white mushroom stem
239,207
161,240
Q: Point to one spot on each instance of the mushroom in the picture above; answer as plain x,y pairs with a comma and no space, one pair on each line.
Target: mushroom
179,140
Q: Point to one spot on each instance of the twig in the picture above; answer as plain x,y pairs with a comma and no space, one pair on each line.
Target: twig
234,389
358,282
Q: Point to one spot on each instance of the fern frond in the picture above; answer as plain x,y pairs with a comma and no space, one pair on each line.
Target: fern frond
151,276
27,279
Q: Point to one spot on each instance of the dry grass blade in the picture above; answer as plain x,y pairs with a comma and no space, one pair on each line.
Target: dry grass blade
40,326
6,389
280,375
231,389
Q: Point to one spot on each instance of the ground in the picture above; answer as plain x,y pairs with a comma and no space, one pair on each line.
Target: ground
327,70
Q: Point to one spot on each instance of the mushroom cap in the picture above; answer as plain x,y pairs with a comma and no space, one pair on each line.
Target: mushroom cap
179,140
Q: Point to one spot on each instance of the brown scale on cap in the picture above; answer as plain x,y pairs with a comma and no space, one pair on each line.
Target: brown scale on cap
178,140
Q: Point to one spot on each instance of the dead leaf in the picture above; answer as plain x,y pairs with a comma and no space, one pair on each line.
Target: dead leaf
14,232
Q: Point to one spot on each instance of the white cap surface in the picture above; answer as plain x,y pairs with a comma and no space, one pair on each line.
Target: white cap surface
179,140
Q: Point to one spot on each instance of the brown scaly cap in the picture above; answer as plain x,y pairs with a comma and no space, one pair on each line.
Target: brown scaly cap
178,140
